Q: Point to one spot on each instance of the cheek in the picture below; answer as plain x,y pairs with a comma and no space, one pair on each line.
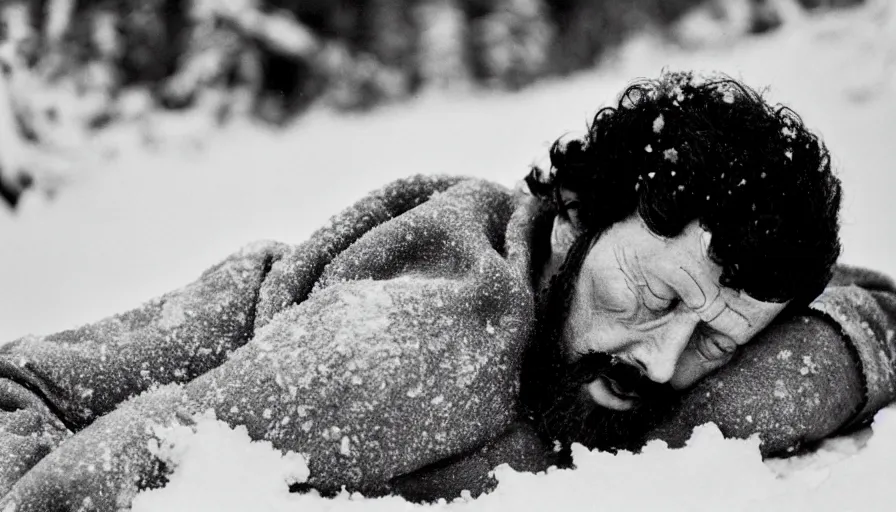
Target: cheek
589,326
579,323
588,330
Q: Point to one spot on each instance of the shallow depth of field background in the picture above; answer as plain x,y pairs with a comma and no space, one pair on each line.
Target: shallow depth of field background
140,174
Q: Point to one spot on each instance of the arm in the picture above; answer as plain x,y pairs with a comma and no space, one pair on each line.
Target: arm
380,371
28,432
863,305
342,378
53,386
63,382
83,373
292,277
806,377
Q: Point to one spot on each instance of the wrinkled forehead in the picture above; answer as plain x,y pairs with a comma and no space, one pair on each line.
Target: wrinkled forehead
683,262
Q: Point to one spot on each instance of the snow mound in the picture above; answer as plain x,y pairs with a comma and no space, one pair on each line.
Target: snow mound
712,473
220,469
860,481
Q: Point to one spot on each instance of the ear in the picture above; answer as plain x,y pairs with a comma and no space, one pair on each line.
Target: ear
563,235
705,240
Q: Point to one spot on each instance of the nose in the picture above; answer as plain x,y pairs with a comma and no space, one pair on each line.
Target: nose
660,350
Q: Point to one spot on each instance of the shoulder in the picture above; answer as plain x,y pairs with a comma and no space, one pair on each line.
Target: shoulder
421,188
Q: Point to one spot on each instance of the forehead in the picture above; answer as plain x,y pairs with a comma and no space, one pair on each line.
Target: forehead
682,265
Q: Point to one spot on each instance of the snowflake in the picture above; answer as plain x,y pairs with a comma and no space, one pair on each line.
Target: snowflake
658,124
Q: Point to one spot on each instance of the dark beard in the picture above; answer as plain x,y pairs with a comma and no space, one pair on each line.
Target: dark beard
551,389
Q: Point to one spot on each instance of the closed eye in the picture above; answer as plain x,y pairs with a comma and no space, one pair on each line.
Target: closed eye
660,305
714,347
651,311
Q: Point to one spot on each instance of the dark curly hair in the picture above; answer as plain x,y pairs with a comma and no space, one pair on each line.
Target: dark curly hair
683,148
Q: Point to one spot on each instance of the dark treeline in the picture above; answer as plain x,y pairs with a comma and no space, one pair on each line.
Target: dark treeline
273,58
351,53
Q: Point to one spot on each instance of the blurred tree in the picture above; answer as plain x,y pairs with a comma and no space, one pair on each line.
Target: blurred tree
512,43
815,4
275,57
386,30
375,61
587,28
441,59
153,37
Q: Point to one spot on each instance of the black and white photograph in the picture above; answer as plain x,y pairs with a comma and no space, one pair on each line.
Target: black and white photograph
447,255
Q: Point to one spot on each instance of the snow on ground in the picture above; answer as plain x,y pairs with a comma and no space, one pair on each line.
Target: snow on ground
152,220
220,470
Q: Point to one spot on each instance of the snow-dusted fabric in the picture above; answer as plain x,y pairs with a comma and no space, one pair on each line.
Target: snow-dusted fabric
386,348
863,304
804,378
52,386
391,340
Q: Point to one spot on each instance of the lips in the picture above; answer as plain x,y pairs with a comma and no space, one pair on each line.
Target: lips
608,393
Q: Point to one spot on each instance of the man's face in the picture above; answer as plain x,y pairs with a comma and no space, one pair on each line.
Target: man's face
655,305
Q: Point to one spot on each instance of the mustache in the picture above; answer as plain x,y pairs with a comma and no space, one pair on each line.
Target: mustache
595,365
570,415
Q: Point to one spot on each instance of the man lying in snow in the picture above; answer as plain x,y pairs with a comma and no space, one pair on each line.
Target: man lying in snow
665,273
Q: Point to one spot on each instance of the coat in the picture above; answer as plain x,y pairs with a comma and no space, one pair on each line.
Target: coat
387,348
